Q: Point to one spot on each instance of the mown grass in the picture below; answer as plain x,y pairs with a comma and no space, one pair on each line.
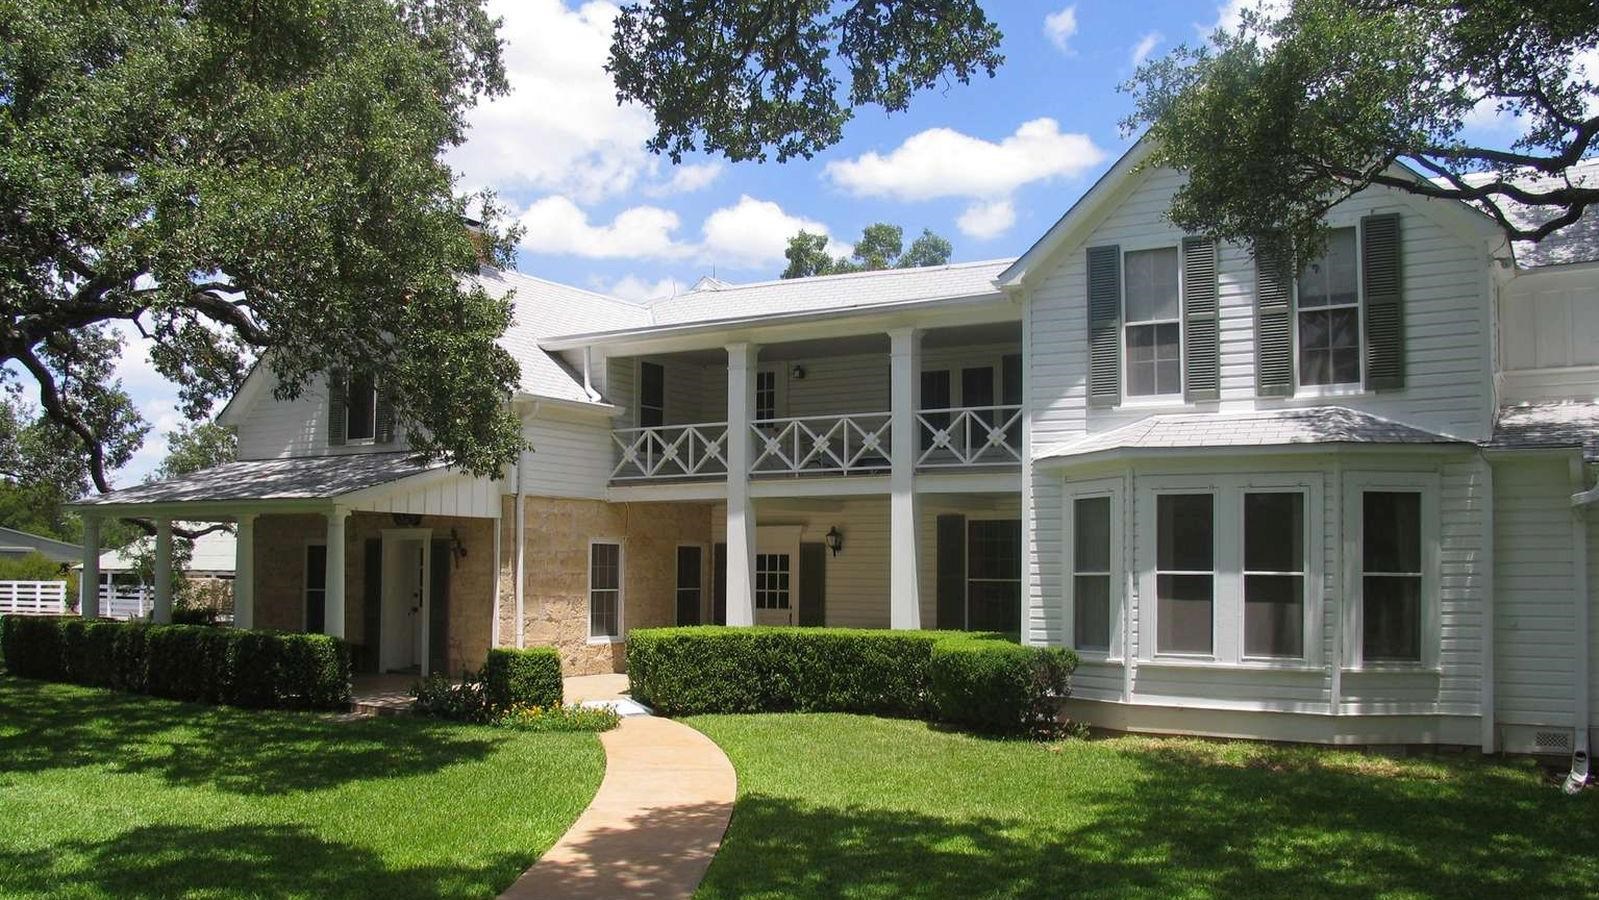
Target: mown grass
114,795
852,806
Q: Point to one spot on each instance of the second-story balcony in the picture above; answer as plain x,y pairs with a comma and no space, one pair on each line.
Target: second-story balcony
823,410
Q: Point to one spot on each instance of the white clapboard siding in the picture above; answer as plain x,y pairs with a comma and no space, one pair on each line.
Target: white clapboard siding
276,429
33,598
1535,646
570,458
1549,336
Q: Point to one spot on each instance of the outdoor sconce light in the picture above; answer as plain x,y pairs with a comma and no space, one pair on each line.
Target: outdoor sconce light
835,541
406,520
457,548
797,373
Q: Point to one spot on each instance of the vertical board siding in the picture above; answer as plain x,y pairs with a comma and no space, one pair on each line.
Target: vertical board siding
1534,645
1549,336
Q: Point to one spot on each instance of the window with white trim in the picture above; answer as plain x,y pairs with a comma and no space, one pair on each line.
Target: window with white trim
605,590
1328,312
1185,573
361,408
765,394
1092,576
1152,310
1391,576
1274,574
772,581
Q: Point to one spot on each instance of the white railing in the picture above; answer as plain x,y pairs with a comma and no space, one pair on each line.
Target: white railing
33,598
126,601
671,451
969,436
845,445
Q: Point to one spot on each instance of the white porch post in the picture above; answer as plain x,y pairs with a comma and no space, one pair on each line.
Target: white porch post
905,605
163,571
244,572
740,508
333,607
89,582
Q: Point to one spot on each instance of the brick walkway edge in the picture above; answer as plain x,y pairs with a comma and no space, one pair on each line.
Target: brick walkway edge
654,825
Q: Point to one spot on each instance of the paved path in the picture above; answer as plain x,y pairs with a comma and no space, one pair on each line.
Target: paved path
654,825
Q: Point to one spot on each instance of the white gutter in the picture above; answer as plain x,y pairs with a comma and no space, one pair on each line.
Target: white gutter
1580,693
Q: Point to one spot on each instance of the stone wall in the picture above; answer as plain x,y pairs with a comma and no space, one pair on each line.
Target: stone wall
280,548
556,602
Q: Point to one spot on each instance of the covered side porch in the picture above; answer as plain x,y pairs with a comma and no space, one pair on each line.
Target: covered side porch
394,555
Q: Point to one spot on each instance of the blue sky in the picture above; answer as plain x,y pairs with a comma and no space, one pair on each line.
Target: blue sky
988,165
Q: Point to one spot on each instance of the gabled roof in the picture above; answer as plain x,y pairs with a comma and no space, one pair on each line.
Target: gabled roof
1270,428
16,542
1548,426
294,478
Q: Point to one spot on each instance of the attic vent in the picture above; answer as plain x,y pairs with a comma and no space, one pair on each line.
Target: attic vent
1552,741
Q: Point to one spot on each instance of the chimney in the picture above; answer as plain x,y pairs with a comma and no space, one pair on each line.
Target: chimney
480,241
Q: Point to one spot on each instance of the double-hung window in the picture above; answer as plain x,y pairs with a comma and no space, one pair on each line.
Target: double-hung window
651,395
605,590
361,408
1329,313
765,394
1153,310
993,575
316,588
1185,573
1391,575
1094,571
1274,574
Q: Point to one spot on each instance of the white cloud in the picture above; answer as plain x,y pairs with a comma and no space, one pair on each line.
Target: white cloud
987,220
632,287
751,233
555,224
1060,26
747,234
686,179
1146,45
560,129
942,162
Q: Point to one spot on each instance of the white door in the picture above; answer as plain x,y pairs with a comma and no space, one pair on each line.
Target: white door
404,615
777,575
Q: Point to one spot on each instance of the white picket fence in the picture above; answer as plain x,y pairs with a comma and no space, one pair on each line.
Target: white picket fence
126,601
33,598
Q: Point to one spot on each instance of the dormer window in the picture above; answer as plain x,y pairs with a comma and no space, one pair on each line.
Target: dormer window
359,411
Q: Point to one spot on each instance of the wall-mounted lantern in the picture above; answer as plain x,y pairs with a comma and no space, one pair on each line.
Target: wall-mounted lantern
797,373
835,541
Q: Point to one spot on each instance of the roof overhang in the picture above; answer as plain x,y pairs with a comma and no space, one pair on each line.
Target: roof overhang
1135,454
776,328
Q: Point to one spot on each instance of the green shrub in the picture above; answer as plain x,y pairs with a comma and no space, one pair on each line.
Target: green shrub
440,697
976,680
1000,687
514,678
182,662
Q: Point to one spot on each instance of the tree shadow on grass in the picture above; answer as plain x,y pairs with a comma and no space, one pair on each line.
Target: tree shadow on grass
1186,827
44,727
236,861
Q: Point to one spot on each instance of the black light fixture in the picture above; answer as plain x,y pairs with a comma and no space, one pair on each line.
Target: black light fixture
406,520
797,373
835,541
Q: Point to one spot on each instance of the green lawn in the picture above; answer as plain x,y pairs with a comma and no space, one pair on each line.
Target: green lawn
837,805
105,794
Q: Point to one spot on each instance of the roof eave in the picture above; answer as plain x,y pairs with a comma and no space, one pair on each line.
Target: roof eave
1130,454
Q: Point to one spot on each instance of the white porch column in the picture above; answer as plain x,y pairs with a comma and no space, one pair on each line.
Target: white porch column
89,582
740,508
244,572
905,604
333,606
163,571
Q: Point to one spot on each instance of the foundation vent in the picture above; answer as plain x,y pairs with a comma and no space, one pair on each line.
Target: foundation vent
1552,741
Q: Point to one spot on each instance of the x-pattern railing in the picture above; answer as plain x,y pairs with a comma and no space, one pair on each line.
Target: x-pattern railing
969,436
821,444
671,451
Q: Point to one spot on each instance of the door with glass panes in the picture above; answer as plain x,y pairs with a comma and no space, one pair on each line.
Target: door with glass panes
777,576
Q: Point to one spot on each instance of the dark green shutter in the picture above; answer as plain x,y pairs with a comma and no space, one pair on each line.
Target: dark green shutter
1274,320
338,402
383,417
1104,326
371,606
1383,278
1201,342
813,584
951,549
719,585
439,607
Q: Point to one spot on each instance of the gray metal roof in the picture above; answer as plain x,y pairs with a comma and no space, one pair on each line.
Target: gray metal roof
1272,428
14,542
294,478
1538,426
1575,243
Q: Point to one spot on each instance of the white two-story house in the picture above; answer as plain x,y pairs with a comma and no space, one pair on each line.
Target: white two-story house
1344,501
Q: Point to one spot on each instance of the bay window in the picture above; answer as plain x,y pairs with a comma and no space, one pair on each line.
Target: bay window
1092,574
1391,576
1185,573
1274,574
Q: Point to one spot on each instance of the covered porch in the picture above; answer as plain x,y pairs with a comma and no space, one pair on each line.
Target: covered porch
394,555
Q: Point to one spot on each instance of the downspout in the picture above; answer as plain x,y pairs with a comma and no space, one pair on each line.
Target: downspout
1579,555
520,590
1488,699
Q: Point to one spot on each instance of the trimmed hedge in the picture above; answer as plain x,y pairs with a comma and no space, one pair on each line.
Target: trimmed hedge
710,669
522,678
182,662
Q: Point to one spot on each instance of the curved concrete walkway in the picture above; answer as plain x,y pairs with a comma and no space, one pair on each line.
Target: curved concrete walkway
654,825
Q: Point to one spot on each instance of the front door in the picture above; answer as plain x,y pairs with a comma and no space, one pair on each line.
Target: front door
777,575
405,595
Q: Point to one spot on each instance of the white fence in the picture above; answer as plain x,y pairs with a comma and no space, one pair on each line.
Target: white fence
126,601
33,598
822,444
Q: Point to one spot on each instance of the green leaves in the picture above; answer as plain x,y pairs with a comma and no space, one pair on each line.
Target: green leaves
251,181
881,246
749,79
